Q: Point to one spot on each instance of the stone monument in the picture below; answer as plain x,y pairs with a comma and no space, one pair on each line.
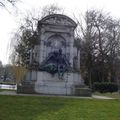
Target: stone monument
58,70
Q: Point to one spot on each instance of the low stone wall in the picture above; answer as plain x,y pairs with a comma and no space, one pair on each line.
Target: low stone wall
27,88
82,92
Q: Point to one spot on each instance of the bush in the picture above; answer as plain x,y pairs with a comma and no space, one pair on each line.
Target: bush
105,87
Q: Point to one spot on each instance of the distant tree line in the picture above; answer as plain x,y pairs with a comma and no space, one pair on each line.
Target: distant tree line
99,39
7,74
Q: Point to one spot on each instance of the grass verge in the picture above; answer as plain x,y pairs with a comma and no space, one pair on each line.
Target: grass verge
113,95
1,90
49,108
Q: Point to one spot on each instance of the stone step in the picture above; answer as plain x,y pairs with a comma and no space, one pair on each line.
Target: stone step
82,92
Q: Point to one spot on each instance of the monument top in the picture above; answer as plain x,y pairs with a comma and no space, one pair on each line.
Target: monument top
58,20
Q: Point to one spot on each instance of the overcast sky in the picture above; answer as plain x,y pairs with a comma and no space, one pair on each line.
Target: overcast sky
9,21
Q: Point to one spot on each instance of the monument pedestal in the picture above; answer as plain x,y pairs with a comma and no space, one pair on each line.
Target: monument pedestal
45,83
49,84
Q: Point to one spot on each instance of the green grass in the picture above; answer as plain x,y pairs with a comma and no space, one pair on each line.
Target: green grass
1,90
113,95
55,108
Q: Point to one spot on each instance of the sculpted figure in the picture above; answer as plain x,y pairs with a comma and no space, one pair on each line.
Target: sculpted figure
56,62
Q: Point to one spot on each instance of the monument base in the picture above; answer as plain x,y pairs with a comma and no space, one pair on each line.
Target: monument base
45,83
49,84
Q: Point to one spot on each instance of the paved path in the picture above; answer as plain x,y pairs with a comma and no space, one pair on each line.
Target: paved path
93,96
14,93
101,97
8,93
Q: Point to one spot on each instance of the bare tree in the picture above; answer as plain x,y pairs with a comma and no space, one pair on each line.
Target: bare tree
4,2
51,9
100,46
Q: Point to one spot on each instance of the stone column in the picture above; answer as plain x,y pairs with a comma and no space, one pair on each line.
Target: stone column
71,47
78,59
41,53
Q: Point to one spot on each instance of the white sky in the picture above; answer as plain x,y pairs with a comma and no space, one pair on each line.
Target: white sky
9,22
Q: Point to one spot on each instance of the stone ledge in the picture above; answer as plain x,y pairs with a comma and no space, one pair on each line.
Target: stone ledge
82,92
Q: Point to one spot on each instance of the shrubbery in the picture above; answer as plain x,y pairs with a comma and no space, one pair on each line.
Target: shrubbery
105,87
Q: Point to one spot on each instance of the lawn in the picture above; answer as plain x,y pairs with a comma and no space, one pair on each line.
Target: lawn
55,108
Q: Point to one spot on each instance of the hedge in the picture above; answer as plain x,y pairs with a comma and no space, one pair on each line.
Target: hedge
105,87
